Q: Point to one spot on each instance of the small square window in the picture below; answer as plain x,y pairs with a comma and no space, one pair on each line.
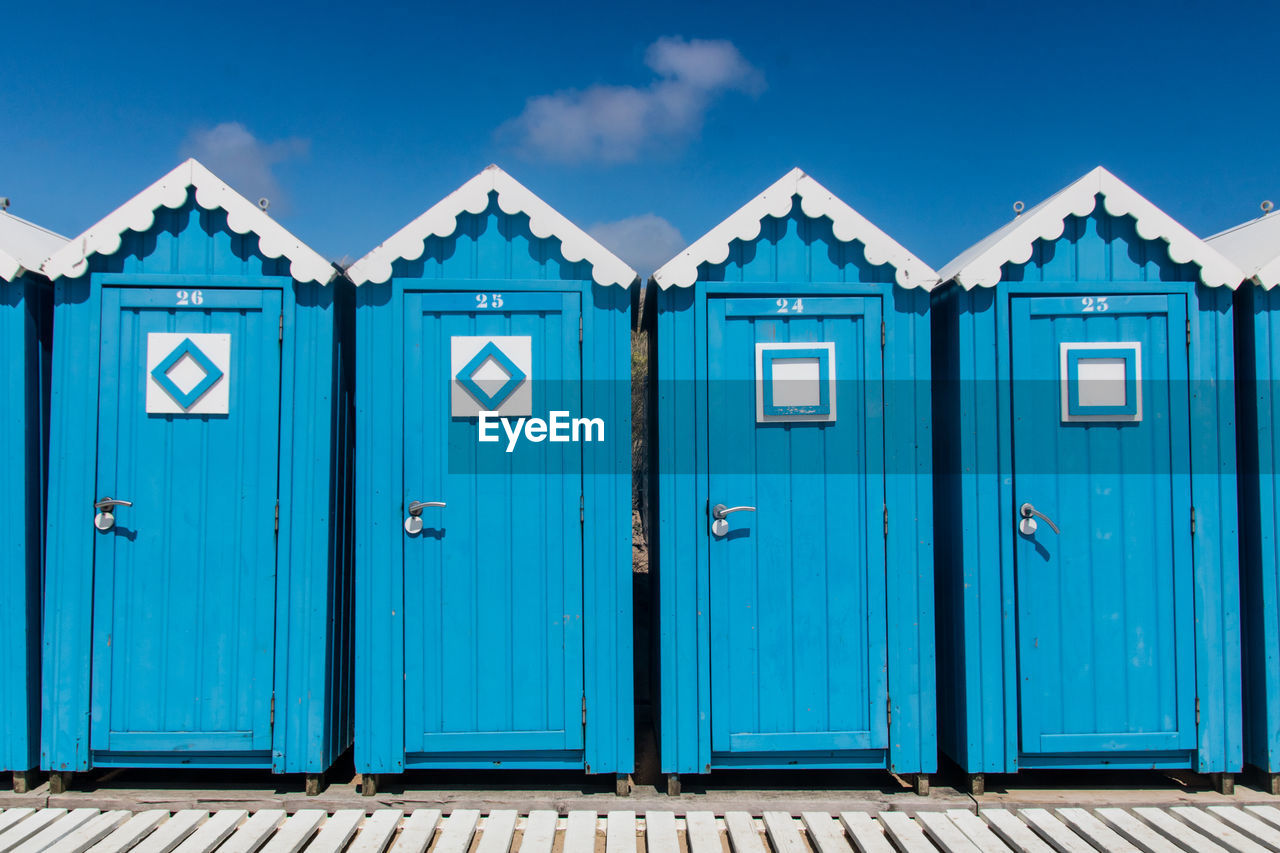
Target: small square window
1101,381
795,382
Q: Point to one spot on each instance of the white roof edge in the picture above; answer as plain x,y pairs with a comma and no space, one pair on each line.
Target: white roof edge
24,246
210,193
816,201
1255,247
980,265
441,220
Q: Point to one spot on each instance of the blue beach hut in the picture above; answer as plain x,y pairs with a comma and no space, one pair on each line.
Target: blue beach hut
493,569
198,606
1255,247
793,512
1087,579
25,325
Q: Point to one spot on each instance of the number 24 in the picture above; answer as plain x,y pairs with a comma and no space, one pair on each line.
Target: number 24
787,306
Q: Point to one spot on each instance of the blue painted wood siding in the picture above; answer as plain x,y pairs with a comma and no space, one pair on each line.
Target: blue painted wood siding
24,341
978,676
493,252
792,255
188,248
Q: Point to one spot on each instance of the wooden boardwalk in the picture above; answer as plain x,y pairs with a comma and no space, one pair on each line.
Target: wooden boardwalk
1180,829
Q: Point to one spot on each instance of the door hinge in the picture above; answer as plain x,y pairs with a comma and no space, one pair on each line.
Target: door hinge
584,712
277,521
886,521
1188,334
582,510
888,701
1193,521
1197,711
579,330
273,710
281,327
882,334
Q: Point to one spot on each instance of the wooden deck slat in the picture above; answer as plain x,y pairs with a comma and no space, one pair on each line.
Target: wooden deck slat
905,832
1055,833
458,831
21,831
418,829
1014,832
92,831
977,831
825,833
212,832
254,832
337,830
701,832
1094,831
499,829
295,832
540,832
743,835
45,838
1177,831
620,832
659,833
127,836
9,817
1249,825
1136,832
1209,825
1271,814
375,834
170,833
944,833
866,832
783,833
579,833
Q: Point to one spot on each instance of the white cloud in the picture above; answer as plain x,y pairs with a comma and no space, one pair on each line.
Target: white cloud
617,123
245,162
646,242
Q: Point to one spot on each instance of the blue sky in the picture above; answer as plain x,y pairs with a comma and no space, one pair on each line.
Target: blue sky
646,122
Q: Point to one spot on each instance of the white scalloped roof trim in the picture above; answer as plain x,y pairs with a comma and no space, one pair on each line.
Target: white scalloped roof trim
473,197
816,201
211,193
980,265
1255,247
24,245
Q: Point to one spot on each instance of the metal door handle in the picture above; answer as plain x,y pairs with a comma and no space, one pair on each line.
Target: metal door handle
413,524
1027,525
720,526
105,518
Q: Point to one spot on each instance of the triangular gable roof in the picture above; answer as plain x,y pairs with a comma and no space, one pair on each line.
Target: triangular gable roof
211,193
980,265
816,201
473,197
24,245
1255,246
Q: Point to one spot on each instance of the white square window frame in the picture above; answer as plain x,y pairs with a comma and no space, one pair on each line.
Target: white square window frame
1066,348
829,348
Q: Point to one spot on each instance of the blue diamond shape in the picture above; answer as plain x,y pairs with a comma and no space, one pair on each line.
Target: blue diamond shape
515,374
186,399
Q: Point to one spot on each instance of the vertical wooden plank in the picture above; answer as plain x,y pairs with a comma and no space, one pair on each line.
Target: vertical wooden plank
977,831
783,834
377,830
415,835
253,832
134,830
170,833
540,832
499,828
905,832
825,833
1054,831
213,831
1014,832
336,831
1136,832
296,831
659,833
579,834
458,830
944,833
620,832
743,836
701,832
92,832
1095,831
866,832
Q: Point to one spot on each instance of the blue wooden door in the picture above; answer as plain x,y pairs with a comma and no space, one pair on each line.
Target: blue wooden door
797,587
1106,651
184,583
493,582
